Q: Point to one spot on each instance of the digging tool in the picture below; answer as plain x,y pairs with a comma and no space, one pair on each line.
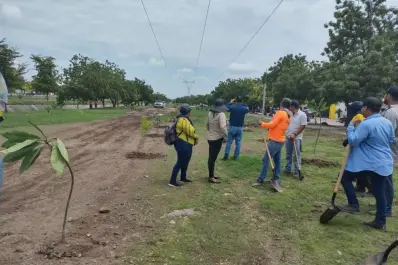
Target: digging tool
333,210
274,184
300,176
380,258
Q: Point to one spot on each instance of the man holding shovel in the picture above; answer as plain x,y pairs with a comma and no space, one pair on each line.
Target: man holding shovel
298,121
370,156
277,130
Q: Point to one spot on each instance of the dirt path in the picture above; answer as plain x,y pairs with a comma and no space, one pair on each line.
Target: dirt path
32,205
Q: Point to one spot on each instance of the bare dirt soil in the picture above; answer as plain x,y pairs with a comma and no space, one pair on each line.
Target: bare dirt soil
108,158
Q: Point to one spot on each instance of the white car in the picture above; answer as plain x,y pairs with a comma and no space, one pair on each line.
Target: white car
159,104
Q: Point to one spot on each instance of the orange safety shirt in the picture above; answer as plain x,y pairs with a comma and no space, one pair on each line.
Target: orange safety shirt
278,126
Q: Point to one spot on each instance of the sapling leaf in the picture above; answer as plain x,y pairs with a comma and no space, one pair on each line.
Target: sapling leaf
21,153
19,146
19,137
62,150
57,161
7,144
30,158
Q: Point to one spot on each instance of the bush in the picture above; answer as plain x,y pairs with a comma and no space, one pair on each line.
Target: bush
146,125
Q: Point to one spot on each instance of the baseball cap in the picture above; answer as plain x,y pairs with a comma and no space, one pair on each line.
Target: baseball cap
393,91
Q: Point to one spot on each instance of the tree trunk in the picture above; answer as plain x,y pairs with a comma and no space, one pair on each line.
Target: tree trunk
103,103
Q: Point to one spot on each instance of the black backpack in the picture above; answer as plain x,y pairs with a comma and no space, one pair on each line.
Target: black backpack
170,133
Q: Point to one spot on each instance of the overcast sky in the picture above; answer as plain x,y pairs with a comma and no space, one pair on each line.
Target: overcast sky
119,31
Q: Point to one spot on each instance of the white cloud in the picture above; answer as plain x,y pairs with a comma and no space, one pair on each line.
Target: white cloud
154,61
200,77
242,68
185,70
10,11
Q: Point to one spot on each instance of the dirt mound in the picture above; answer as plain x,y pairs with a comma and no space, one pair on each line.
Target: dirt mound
60,251
145,156
319,162
155,135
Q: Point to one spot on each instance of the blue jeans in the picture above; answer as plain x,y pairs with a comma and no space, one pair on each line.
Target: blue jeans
275,150
379,186
234,133
290,154
184,154
389,193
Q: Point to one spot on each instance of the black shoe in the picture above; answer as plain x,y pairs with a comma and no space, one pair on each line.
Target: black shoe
349,209
235,158
217,177
175,184
225,158
186,180
214,182
375,225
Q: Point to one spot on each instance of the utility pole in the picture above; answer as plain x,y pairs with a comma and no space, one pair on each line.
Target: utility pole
265,89
189,85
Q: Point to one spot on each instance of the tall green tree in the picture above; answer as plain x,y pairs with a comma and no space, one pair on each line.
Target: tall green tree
46,79
11,70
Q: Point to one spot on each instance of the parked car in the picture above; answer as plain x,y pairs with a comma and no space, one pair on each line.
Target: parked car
159,104
310,114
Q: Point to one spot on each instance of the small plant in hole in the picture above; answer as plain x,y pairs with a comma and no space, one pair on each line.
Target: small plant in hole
146,125
28,147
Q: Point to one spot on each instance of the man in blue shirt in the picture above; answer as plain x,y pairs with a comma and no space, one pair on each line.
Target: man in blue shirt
236,122
370,156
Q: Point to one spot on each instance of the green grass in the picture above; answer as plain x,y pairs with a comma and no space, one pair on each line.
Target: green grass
21,119
238,224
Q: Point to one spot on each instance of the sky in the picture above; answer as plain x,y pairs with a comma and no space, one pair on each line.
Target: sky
119,31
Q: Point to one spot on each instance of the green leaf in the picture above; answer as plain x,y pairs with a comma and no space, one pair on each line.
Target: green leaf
21,153
19,146
19,137
7,144
57,161
62,150
30,158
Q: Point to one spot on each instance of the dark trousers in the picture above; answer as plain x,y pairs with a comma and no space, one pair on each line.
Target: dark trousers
184,154
214,150
379,185
363,183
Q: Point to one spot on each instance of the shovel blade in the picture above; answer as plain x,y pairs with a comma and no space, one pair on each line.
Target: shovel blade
374,260
328,215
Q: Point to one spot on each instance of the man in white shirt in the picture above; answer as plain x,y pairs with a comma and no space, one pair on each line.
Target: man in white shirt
294,132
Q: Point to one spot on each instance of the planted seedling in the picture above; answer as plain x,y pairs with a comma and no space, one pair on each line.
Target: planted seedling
26,147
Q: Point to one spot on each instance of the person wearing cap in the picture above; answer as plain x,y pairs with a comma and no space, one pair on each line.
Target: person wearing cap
186,139
276,133
370,156
362,182
294,132
236,122
217,133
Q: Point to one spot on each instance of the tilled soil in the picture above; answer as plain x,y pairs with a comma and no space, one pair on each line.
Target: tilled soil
32,205
319,162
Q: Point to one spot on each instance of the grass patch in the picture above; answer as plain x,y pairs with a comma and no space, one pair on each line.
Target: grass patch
20,119
238,224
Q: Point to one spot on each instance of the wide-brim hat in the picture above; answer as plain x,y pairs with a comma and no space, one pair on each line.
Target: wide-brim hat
219,106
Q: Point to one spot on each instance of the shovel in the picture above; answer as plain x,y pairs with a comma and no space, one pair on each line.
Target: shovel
380,258
275,184
300,176
333,210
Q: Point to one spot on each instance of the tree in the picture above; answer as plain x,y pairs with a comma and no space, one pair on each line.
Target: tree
11,70
46,79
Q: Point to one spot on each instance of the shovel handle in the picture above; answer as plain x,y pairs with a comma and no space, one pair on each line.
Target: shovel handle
347,152
268,153
295,151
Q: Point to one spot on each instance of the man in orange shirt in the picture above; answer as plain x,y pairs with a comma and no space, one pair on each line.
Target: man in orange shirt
276,134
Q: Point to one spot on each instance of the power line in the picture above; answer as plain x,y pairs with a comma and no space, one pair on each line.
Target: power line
203,34
254,35
154,35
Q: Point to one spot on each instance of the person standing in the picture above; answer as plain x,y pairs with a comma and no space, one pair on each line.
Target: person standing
391,114
217,133
370,156
294,132
236,122
277,130
186,139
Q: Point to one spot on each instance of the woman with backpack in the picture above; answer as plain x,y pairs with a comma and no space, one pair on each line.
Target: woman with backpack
217,133
186,139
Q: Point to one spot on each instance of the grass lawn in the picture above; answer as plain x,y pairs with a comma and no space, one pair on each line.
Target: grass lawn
238,224
21,119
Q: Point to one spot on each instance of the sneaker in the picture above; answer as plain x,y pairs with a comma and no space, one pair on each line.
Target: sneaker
257,183
225,158
175,185
375,225
349,209
373,212
186,180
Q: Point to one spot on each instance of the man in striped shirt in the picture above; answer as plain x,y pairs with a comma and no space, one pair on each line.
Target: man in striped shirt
391,114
